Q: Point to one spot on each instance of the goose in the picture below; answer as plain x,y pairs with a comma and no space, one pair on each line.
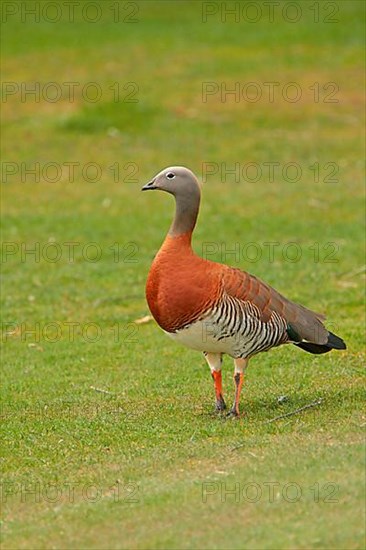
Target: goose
216,309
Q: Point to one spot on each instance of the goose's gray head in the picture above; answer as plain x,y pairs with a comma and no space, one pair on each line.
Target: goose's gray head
178,181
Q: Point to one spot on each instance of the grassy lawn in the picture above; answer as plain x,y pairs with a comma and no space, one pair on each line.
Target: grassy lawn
109,438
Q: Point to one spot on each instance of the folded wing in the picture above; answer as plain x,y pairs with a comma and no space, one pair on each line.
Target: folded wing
303,324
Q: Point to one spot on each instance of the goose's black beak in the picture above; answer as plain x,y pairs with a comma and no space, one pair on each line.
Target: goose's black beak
149,186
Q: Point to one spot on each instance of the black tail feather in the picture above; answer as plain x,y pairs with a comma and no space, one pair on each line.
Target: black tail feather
313,348
334,342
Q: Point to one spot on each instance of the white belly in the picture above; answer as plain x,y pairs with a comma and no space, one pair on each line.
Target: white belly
237,336
203,336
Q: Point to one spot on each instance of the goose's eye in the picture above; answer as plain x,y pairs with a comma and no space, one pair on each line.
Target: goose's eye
170,175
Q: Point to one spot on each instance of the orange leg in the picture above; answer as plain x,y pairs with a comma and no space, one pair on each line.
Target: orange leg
214,361
217,378
238,380
240,365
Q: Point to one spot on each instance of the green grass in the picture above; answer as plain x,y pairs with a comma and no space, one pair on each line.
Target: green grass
159,456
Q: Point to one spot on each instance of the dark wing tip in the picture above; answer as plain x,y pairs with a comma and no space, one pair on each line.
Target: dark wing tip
335,342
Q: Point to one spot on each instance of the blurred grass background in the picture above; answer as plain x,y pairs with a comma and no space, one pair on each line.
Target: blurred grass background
154,427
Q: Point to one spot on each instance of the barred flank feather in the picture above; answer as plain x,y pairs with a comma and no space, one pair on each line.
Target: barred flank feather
242,322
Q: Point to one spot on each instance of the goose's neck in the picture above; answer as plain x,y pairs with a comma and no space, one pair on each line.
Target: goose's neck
186,212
